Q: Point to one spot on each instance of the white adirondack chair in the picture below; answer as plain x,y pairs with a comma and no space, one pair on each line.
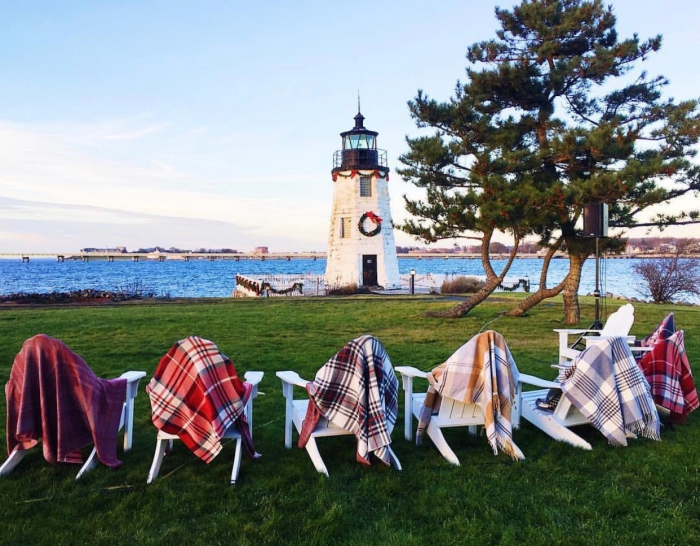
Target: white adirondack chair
554,423
295,412
618,324
557,421
453,413
126,423
164,440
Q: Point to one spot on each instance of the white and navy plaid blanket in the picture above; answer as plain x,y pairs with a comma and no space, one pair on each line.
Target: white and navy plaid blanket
482,372
608,388
357,391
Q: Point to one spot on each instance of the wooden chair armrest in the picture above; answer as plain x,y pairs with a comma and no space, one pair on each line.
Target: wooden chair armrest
254,377
292,378
573,331
537,382
132,376
410,371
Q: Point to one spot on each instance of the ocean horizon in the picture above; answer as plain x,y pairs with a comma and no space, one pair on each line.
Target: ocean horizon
216,278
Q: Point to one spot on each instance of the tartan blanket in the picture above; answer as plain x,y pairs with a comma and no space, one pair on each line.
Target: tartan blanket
196,395
608,388
667,370
482,372
53,396
664,330
357,391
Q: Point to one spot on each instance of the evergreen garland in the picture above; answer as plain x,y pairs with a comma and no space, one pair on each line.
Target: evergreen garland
373,218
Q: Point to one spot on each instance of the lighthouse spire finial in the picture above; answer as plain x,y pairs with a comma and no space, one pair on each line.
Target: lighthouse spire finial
358,101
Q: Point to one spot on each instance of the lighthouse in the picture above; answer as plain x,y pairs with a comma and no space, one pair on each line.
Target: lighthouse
361,247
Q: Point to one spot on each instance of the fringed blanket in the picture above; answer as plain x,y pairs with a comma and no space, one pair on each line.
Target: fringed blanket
482,372
55,397
608,388
196,395
668,373
357,391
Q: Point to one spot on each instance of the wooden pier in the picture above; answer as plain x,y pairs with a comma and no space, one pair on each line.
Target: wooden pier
288,256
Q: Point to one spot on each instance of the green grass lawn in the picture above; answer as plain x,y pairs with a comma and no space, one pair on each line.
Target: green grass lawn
646,493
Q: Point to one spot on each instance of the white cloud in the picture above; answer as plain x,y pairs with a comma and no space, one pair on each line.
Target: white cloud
37,164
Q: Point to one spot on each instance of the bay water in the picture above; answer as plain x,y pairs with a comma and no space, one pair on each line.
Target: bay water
205,278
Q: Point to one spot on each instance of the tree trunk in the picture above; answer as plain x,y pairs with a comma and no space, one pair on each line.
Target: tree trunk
542,292
572,310
493,281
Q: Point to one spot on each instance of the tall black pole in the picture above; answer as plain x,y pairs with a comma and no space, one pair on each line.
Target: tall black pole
597,324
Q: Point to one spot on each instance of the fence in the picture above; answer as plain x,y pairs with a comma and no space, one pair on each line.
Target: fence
271,286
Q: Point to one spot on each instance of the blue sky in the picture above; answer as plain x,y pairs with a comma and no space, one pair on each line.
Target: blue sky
213,123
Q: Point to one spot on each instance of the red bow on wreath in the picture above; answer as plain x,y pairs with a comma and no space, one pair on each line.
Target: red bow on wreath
376,219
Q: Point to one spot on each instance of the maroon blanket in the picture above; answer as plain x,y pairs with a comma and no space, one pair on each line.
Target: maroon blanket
55,397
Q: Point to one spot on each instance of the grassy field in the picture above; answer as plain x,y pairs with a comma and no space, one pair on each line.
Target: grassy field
645,493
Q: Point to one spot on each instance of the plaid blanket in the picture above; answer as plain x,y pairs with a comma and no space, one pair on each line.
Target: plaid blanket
668,373
482,371
357,391
196,395
664,330
55,397
606,385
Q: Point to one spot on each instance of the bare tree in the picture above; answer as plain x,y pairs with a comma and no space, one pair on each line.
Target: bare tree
665,279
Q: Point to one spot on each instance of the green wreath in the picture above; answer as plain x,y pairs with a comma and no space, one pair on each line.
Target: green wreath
373,218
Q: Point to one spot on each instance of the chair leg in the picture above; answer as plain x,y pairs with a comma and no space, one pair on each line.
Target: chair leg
556,430
12,461
161,445
312,450
236,462
394,459
443,447
89,464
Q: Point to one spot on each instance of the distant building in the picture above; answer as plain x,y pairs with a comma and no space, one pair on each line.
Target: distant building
116,249
261,250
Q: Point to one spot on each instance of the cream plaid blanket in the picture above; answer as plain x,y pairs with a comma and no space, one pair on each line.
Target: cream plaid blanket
482,372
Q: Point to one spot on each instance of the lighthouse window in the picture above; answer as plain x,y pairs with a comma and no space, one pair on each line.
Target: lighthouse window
365,186
345,228
359,142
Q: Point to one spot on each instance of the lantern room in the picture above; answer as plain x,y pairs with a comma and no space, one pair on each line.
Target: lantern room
359,150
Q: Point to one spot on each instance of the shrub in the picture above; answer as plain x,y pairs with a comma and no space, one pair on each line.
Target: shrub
346,290
664,279
461,285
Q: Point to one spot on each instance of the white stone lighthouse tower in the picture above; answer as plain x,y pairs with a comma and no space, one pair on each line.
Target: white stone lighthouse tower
361,247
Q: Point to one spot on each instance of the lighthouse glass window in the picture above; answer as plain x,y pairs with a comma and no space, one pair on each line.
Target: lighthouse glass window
365,186
359,141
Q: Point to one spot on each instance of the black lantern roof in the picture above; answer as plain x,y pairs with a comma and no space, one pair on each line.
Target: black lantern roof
359,149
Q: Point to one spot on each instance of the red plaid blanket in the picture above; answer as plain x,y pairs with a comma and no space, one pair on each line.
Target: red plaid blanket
196,395
668,373
357,391
55,397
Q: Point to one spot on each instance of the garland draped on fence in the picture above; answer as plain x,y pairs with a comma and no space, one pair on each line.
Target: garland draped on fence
525,283
265,288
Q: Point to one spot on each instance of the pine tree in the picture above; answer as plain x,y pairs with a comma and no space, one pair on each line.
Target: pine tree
552,116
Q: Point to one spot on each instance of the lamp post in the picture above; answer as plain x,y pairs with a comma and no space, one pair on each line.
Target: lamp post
412,285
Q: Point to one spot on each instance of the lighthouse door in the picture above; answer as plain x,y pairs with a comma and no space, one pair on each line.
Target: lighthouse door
369,270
